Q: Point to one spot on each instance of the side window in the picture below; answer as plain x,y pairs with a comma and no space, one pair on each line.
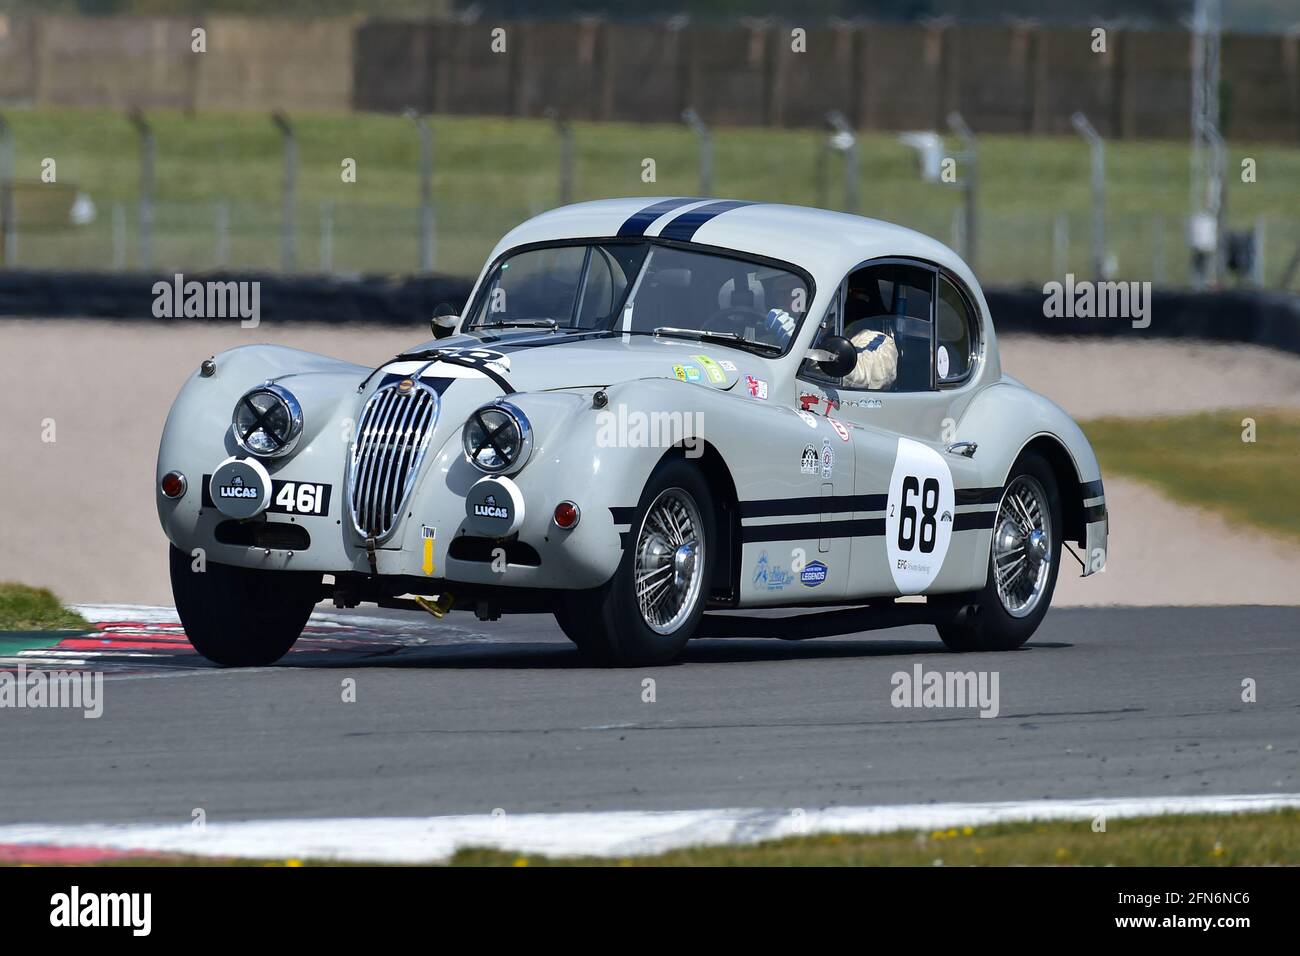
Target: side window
887,317
602,291
955,334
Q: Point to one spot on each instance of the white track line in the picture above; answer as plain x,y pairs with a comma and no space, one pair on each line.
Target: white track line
143,613
606,834
154,614
323,617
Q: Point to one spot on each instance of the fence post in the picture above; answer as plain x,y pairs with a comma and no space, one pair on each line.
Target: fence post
969,159
565,132
1257,264
222,226
845,141
327,235
1219,159
288,229
119,237
704,138
1060,245
1097,163
426,189
820,189
147,146
1158,250
1205,224
9,236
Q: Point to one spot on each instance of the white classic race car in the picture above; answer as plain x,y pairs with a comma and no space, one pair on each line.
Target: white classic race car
649,408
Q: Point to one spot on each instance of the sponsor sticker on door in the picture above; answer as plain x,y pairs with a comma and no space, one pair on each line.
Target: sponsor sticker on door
813,574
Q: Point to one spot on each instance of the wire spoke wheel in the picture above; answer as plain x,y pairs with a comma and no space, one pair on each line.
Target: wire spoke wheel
669,569
1022,546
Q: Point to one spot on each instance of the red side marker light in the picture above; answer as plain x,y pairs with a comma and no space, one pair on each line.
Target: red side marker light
566,515
173,484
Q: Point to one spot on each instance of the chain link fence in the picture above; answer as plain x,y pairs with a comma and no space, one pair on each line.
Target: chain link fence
328,237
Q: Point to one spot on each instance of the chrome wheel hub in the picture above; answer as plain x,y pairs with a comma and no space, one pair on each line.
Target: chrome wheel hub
1022,546
669,561
684,564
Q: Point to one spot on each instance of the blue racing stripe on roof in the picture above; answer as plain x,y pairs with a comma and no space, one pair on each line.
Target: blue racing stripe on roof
685,225
637,224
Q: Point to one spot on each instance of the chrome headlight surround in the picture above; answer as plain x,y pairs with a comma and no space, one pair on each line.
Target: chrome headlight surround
269,411
497,438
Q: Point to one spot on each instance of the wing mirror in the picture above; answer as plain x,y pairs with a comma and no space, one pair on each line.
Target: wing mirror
835,355
444,321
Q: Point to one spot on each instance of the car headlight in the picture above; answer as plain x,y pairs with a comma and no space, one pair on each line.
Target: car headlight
498,438
267,421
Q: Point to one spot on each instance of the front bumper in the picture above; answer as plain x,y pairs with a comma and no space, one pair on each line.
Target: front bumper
427,543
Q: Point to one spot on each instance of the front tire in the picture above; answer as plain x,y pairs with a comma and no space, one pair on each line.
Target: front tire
652,605
241,617
1024,557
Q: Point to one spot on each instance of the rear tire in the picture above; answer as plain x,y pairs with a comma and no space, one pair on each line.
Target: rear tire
994,619
241,617
671,553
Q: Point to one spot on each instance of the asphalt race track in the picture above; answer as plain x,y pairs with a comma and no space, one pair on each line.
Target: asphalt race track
464,717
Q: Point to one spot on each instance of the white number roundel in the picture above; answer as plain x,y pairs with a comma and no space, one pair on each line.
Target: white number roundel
918,516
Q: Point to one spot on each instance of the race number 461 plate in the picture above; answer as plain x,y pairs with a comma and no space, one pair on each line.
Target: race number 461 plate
289,497
299,498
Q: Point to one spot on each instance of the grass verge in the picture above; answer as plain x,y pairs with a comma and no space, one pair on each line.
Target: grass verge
1203,840
24,609
1204,460
1247,839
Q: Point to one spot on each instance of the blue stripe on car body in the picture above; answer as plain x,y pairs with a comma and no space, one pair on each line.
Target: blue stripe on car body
638,223
685,226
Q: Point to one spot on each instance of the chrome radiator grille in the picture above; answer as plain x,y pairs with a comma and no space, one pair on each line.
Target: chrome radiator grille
391,439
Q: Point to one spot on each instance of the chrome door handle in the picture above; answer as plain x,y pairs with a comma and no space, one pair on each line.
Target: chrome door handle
966,449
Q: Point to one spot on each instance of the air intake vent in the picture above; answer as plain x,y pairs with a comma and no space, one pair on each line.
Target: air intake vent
392,437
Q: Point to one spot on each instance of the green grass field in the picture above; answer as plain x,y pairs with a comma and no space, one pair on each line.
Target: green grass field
1202,460
26,609
491,172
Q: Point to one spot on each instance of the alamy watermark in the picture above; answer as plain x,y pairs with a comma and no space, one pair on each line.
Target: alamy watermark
1084,299
620,427
955,689
133,911
213,299
75,690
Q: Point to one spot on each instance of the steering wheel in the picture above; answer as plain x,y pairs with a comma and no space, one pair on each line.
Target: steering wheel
735,316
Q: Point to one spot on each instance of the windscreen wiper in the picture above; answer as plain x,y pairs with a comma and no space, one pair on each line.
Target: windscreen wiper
726,338
518,324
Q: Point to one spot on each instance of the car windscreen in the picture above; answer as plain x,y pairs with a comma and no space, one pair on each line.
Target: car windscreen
580,286
640,287
704,291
